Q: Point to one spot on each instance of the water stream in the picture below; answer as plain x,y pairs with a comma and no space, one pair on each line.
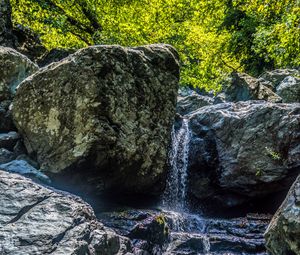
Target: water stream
175,194
191,233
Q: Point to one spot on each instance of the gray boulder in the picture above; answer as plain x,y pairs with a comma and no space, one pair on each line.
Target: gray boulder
244,87
37,220
283,234
22,167
102,117
289,90
275,77
6,156
243,150
14,68
192,102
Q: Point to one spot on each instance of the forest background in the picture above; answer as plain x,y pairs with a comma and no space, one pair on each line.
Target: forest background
213,38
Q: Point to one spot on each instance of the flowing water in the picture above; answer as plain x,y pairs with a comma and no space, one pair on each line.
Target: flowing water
192,233
176,190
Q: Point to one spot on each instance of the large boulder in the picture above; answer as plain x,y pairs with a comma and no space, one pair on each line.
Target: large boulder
102,117
289,89
243,150
244,87
283,233
37,220
6,35
275,77
14,68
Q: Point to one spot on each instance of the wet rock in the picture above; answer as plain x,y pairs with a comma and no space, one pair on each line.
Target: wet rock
152,229
196,235
289,90
14,68
243,150
9,140
22,167
147,229
37,220
191,233
192,102
244,87
283,233
102,117
6,156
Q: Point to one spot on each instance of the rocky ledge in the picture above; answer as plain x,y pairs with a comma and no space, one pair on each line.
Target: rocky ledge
283,233
39,220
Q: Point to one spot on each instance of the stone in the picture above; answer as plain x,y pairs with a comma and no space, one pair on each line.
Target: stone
29,43
54,55
192,102
22,167
289,90
9,140
6,122
188,233
244,87
14,68
283,234
39,220
6,156
241,151
6,35
275,77
101,118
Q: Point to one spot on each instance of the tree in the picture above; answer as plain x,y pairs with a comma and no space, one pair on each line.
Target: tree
213,37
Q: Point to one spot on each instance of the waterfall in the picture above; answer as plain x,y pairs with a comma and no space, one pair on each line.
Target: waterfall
176,189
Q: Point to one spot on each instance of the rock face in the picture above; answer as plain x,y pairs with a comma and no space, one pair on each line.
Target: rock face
243,150
24,168
243,87
104,113
37,220
283,233
192,102
14,68
168,232
275,77
6,36
289,89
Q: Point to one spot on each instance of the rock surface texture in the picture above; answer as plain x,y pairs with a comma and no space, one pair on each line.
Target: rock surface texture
244,87
283,233
243,150
14,68
36,220
6,35
192,102
104,113
289,89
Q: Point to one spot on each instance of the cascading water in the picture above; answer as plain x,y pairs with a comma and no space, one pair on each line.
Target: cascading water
176,190
191,233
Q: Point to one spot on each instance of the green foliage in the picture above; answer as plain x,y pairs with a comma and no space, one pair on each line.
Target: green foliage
273,154
213,37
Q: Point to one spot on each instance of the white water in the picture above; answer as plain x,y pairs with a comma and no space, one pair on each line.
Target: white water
175,194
